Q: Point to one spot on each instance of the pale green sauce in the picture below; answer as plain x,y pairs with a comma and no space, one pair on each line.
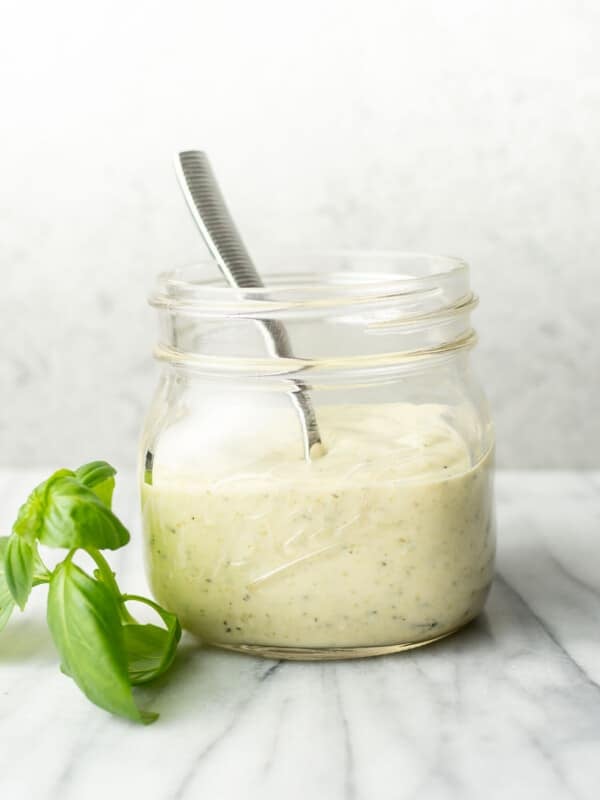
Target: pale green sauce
388,538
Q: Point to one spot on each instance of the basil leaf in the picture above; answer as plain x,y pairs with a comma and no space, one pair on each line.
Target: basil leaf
53,511
30,517
18,568
31,514
6,599
83,617
99,476
74,516
150,649
40,571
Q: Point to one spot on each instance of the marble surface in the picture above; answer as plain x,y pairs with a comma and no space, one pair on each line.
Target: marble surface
469,128
508,708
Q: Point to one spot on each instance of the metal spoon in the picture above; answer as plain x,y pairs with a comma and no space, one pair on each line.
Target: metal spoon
222,238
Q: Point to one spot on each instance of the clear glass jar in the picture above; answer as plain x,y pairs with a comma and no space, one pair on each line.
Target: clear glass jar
384,539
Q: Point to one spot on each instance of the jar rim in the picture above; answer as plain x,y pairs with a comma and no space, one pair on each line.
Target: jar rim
360,277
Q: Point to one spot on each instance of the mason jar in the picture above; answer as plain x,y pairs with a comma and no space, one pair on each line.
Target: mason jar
376,537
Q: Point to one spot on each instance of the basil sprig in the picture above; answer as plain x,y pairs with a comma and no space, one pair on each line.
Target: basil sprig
102,647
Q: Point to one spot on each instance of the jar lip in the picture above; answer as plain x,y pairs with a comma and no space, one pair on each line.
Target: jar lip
345,278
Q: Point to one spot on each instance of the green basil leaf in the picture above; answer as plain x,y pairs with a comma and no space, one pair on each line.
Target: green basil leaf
31,514
150,649
74,516
100,477
40,571
83,617
53,509
6,599
19,561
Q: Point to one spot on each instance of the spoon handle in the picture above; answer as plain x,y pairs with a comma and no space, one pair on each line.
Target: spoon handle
216,224
225,244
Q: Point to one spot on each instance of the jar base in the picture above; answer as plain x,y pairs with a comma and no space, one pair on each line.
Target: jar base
329,653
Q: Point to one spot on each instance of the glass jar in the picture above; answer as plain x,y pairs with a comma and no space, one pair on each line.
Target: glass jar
383,538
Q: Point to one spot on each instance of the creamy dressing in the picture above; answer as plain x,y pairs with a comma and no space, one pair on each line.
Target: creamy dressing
386,539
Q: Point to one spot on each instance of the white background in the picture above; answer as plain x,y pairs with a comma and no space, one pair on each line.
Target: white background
467,127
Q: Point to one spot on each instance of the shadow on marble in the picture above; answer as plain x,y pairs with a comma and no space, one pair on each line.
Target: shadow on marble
545,566
26,639
202,678
205,680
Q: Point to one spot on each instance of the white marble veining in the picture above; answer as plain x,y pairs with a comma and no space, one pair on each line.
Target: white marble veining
509,708
464,127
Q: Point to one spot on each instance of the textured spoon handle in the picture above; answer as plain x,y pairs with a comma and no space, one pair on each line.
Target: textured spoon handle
212,216
216,224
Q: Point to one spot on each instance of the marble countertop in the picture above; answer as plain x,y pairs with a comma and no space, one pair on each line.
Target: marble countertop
508,708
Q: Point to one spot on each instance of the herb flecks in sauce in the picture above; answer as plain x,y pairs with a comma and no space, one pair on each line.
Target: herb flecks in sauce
385,539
